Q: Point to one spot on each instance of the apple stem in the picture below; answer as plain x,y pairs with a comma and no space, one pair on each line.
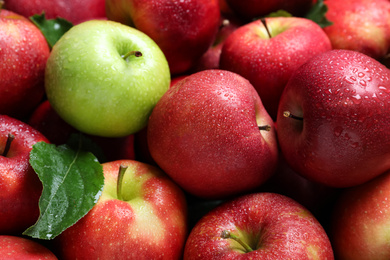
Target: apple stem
10,138
263,21
1,4
265,127
131,53
121,173
227,234
288,114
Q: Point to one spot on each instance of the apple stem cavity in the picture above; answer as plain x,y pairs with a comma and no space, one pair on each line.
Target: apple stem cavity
132,53
10,138
288,114
228,235
265,127
121,174
263,21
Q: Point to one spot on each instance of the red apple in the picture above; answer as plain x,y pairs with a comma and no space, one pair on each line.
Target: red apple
211,134
19,184
184,30
74,11
46,120
360,25
141,214
210,59
24,52
361,219
333,119
19,248
268,226
268,60
251,9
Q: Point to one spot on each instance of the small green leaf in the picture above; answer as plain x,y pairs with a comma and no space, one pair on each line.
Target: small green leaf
317,14
52,29
280,13
72,183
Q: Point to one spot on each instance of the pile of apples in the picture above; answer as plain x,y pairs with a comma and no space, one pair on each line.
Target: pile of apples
217,129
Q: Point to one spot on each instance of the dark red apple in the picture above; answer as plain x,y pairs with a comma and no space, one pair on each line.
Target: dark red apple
20,248
333,119
19,184
23,55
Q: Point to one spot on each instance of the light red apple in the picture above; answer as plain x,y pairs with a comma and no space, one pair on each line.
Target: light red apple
269,226
20,248
19,184
332,123
268,60
184,30
74,11
211,134
360,25
360,221
24,52
141,214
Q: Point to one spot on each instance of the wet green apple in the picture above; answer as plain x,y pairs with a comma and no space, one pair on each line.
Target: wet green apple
104,78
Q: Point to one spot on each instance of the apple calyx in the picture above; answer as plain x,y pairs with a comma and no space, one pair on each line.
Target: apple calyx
225,234
121,174
132,53
263,21
265,127
10,138
289,115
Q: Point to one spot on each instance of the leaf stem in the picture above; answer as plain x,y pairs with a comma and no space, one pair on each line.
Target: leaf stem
288,114
121,174
228,235
264,22
131,53
10,138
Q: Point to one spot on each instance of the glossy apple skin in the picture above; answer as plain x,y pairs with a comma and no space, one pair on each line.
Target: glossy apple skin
361,219
46,120
204,134
275,226
72,10
344,99
20,186
269,63
24,52
19,248
184,30
362,25
97,91
149,223
250,9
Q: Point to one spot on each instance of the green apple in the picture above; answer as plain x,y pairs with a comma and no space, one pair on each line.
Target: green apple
104,78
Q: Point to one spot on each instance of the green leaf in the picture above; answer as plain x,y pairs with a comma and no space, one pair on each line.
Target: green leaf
72,183
317,14
280,13
52,29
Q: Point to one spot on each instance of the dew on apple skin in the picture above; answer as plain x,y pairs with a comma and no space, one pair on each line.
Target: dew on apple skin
337,131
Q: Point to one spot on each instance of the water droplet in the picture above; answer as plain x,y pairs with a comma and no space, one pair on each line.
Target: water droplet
357,99
363,83
337,131
361,74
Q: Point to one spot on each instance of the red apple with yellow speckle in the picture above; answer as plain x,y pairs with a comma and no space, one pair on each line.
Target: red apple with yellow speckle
258,226
141,214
